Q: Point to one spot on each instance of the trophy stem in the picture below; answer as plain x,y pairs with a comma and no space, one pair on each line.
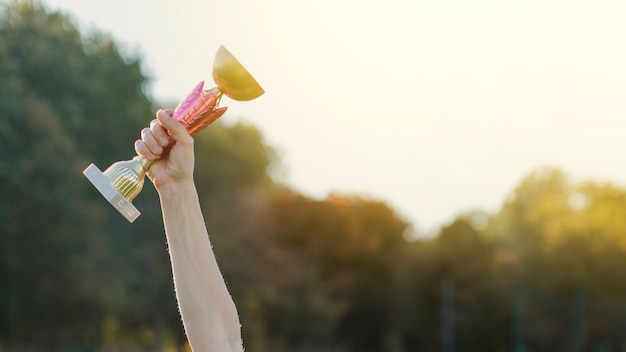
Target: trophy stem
128,176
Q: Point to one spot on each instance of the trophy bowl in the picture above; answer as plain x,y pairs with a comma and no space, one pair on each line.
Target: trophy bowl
121,182
232,78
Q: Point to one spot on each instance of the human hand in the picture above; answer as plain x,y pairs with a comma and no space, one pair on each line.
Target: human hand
170,147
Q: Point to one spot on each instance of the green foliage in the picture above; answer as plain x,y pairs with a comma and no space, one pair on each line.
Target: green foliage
66,100
353,247
564,241
231,157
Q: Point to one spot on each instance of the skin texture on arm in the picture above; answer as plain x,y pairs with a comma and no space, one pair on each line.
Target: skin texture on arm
208,312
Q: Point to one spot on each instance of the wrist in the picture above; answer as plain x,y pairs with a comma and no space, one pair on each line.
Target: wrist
177,188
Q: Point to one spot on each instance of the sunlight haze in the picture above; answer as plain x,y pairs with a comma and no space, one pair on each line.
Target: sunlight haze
434,107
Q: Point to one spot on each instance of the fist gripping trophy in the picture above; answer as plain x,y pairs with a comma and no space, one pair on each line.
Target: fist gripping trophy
123,180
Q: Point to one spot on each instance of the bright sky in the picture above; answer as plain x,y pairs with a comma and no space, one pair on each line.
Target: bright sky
435,107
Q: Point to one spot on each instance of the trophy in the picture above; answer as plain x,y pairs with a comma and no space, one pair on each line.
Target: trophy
123,180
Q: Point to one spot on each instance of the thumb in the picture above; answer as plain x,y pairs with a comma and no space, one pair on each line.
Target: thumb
174,127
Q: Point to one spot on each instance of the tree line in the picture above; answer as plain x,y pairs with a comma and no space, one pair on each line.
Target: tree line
543,273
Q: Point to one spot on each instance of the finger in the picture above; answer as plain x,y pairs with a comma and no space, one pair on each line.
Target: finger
142,150
176,129
150,141
160,134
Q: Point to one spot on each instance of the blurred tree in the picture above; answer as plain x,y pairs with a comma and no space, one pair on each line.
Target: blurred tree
467,270
564,240
64,99
232,157
353,247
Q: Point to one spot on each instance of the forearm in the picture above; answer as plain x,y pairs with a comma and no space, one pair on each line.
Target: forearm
208,312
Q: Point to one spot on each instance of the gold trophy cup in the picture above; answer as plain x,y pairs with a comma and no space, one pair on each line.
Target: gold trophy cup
123,180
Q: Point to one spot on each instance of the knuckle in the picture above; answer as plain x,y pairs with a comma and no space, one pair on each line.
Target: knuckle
188,140
155,126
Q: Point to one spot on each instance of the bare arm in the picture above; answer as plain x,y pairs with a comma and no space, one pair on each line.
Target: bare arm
207,309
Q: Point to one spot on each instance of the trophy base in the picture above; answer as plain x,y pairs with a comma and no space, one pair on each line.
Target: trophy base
110,193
